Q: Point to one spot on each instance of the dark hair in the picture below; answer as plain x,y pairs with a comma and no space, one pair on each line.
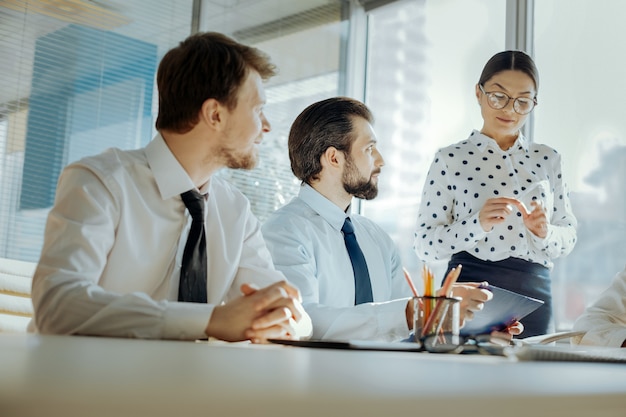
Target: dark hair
322,125
205,65
510,60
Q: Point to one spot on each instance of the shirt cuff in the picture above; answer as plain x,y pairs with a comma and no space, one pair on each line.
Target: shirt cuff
391,315
186,321
608,337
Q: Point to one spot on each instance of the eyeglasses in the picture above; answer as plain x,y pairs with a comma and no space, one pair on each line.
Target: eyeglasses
484,345
498,101
490,345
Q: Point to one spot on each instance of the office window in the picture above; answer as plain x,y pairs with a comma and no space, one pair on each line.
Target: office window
77,78
420,86
578,47
304,40
77,83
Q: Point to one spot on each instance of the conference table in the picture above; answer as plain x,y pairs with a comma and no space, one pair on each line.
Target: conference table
42,375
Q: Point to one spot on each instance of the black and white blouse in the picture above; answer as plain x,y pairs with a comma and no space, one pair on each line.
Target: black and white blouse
464,175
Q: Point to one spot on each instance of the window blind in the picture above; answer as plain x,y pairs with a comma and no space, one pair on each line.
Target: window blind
78,77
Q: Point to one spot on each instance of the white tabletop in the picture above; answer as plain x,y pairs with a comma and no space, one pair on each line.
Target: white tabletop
90,376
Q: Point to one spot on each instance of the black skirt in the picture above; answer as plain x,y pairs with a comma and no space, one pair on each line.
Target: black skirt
513,274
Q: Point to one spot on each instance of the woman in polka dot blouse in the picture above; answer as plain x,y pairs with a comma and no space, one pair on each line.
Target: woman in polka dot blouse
496,202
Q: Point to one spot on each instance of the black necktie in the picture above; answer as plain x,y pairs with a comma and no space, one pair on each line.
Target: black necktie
192,287
362,285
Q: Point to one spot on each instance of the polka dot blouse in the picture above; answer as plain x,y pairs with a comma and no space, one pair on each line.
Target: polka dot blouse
463,176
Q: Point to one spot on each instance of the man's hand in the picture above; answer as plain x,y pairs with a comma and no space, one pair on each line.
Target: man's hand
410,313
505,336
260,314
473,298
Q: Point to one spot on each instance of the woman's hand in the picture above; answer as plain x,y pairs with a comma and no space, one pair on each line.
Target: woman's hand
537,220
495,211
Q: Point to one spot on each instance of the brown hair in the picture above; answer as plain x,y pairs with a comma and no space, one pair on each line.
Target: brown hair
205,65
322,125
510,60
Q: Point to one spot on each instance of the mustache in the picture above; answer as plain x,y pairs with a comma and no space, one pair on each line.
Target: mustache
376,171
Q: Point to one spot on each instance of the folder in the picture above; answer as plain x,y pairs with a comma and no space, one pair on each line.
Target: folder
502,310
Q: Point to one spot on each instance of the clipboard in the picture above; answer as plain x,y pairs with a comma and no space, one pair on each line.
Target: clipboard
503,309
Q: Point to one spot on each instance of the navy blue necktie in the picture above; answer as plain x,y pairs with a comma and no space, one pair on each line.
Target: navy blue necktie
362,284
192,287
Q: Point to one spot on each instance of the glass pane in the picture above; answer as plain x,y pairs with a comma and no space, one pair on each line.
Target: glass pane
77,78
303,40
420,86
580,114
77,83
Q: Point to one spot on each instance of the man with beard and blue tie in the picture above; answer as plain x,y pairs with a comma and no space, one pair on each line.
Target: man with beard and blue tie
346,267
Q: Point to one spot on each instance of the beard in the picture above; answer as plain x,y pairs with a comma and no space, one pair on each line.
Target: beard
356,184
240,160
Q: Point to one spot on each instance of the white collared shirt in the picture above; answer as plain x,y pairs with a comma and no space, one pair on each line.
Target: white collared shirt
605,320
464,175
307,245
113,244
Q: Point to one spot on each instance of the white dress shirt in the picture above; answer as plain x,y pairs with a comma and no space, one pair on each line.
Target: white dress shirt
113,245
307,245
464,175
605,320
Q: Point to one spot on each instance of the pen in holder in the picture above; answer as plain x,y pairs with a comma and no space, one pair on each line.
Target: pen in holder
437,323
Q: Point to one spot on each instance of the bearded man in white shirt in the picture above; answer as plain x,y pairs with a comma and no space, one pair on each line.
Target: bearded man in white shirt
114,240
332,149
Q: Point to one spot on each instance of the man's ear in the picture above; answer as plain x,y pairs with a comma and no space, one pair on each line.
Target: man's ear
212,113
332,158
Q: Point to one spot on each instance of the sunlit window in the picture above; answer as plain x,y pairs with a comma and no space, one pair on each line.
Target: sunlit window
581,114
420,86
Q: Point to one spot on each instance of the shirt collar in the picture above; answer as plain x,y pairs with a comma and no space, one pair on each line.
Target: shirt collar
170,176
323,206
482,142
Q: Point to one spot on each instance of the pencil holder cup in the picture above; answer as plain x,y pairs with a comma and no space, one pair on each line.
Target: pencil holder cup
437,321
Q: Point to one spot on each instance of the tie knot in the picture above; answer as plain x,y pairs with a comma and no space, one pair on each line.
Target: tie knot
347,228
194,201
